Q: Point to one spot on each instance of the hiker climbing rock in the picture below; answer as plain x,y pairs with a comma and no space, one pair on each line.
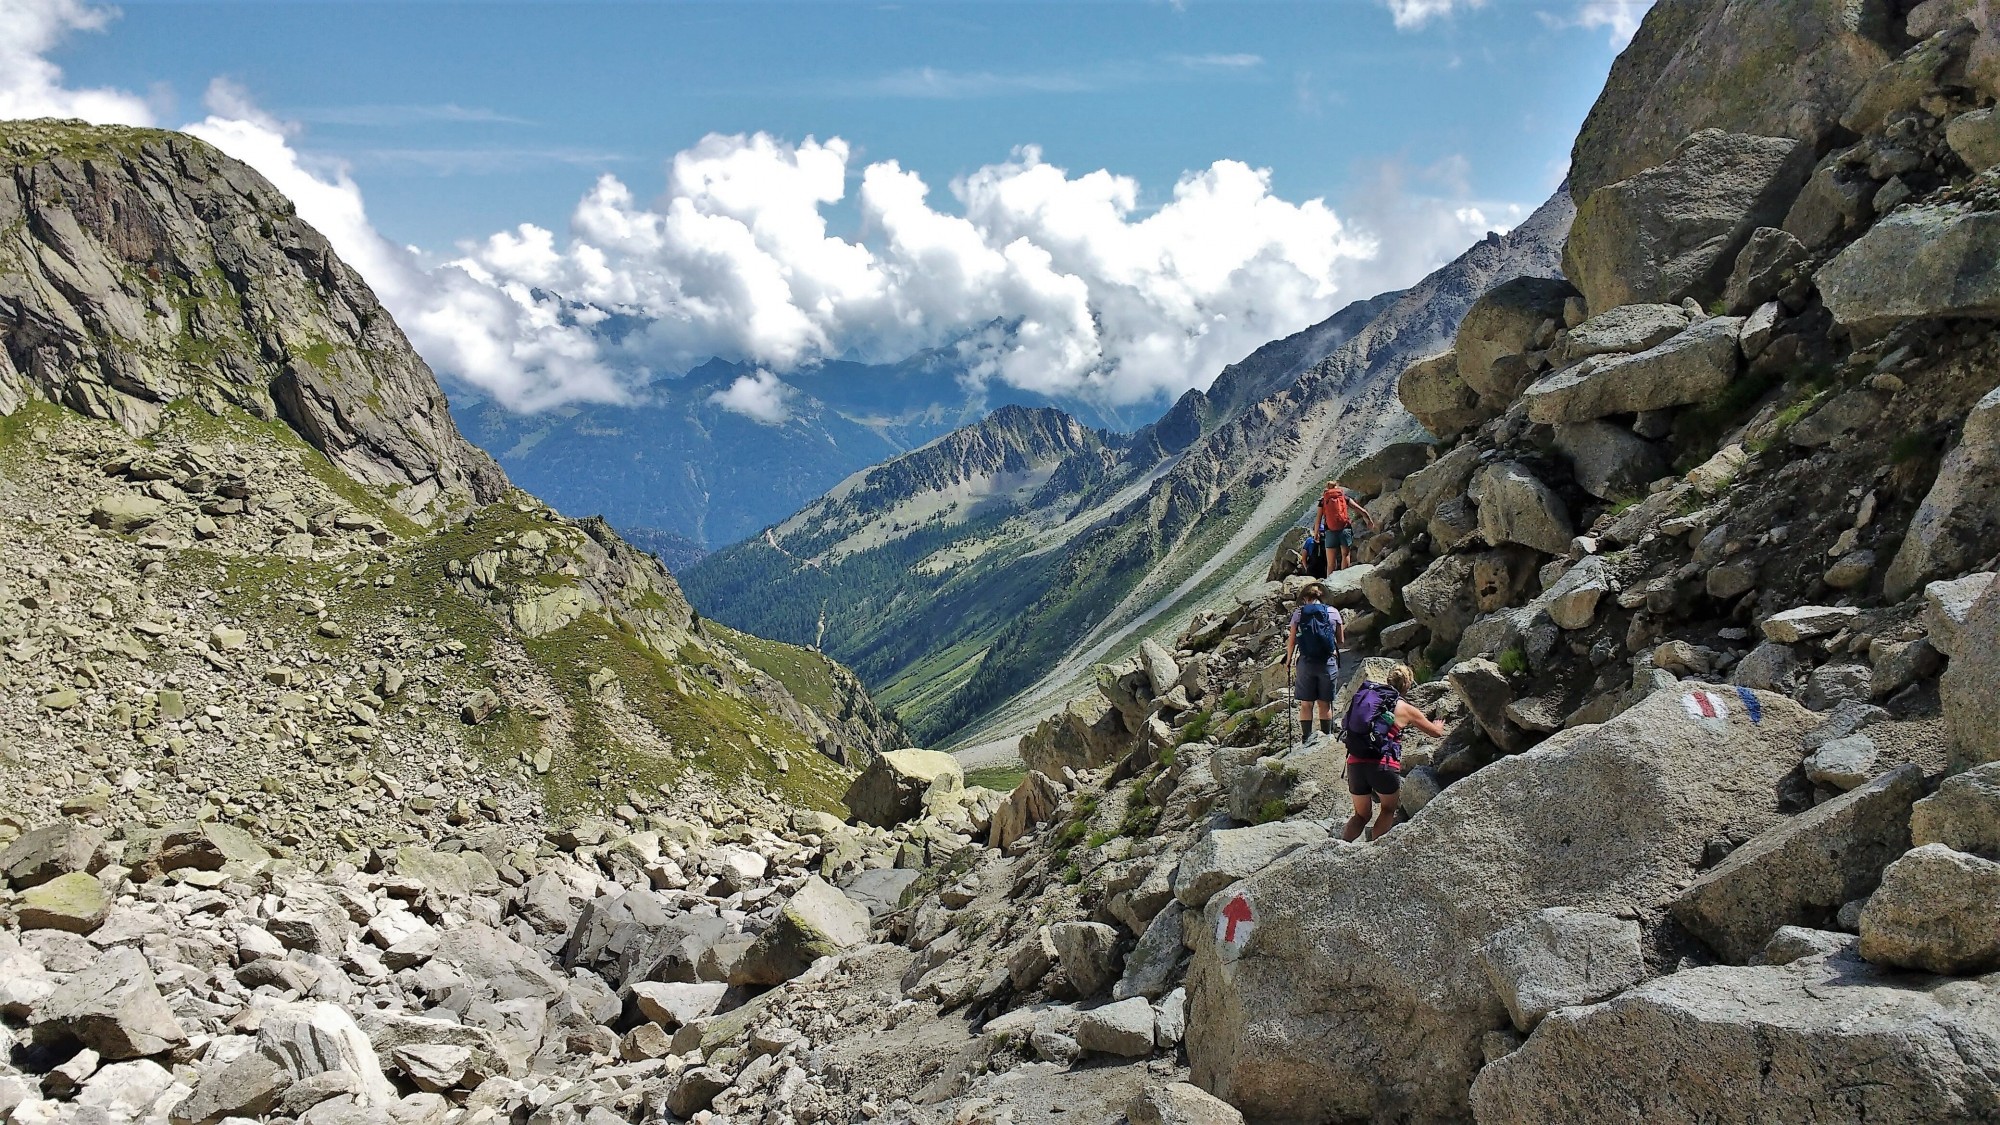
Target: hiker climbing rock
1312,649
1334,523
1373,730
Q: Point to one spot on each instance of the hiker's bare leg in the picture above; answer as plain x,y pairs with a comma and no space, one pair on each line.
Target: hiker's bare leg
1384,820
1359,820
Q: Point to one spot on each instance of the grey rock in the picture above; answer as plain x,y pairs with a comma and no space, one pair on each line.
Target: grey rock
42,854
1123,1028
1934,911
1807,623
1802,871
1843,763
1832,684
1689,368
1559,957
1227,855
1674,230
880,889
671,1004
817,921
1948,605
1840,416
1087,733
1793,943
1180,1103
1918,263
1625,329
1438,397
1292,1026
1710,66
1170,1020
1763,269
248,1085
1957,526
113,1007
1851,570
1820,1039
1610,462
310,1038
895,785
1149,968
695,1090
1964,813
1572,601
1440,599
1087,957
1975,137
1504,322
433,1067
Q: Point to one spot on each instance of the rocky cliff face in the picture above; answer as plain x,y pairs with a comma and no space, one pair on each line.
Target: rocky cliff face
254,565
141,268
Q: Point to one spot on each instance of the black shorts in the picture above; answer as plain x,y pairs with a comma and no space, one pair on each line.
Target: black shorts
1313,682
1364,778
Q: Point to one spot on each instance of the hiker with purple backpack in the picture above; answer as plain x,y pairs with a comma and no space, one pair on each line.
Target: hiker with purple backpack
1373,731
1312,649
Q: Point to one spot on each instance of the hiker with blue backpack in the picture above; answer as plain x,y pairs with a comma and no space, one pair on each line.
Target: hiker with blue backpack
1373,730
1312,649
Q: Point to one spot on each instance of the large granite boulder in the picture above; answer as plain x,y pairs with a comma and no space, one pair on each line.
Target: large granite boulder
113,1007
1964,813
1786,69
1801,872
1031,803
1674,230
1610,461
1625,329
1688,368
1822,1039
1957,527
1506,321
1434,393
1919,263
1084,735
1441,599
1516,507
1561,957
817,921
1359,993
1970,685
1936,912
44,853
895,785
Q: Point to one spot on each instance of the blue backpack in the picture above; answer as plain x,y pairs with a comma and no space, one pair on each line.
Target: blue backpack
1369,728
1316,640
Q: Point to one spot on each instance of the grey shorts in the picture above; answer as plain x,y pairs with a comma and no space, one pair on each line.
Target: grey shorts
1313,683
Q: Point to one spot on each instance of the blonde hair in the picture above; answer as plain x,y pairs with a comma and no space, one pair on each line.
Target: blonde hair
1314,592
1402,679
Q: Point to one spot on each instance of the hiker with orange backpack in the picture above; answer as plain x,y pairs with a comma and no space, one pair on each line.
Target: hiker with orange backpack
1338,509
1373,731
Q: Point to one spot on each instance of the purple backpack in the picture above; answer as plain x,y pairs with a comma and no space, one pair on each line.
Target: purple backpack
1370,726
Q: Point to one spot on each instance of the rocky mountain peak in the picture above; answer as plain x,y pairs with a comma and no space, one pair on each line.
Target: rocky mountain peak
140,267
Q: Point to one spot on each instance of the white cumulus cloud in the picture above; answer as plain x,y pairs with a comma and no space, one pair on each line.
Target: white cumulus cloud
1416,13
759,396
1060,282
32,86
1621,17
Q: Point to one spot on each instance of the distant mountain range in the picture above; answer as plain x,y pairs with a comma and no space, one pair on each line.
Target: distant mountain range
955,576
680,474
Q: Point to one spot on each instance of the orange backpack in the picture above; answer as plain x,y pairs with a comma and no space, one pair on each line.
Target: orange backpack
1333,509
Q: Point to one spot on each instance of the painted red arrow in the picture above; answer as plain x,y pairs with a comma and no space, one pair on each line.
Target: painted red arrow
1236,910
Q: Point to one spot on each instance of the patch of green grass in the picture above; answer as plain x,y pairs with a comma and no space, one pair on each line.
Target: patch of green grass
1072,875
1909,447
805,673
1512,662
1097,839
1197,728
1273,809
1002,778
1232,702
1623,506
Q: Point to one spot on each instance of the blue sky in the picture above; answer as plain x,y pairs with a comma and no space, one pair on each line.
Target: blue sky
462,118
855,178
